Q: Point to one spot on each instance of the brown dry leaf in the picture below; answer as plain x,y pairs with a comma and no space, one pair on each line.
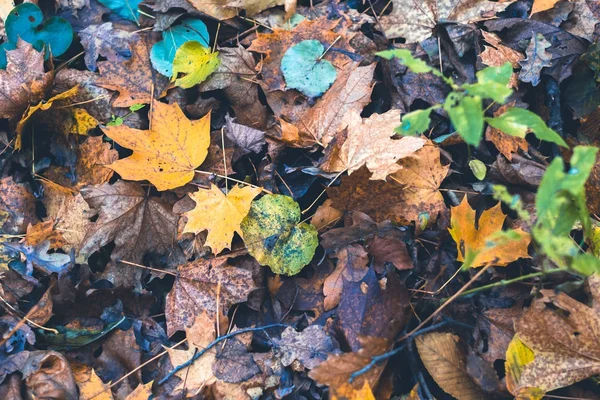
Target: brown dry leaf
336,371
200,334
582,21
90,385
136,222
388,249
166,154
468,238
17,206
352,266
225,9
542,5
47,375
370,143
221,214
415,22
195,291
563,334
44,308
142,392
93,156
349,94
43,231
498,54
310,347
134,79
274,45
24,81
445,362
326,216
506,144
421,177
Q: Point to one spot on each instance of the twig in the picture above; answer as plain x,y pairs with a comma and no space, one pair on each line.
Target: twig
330,46
213,344
323,192
233,179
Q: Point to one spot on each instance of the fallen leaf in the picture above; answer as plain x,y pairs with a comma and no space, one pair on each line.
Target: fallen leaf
195,291
234,364
352,266
310,347
326,216
127,9
542,5
517,357
562,333
134,221
416,23
537,59
479,240
275,45
168,153
582,20
17,206
275,236
388,249
24,81
47,375
246,140
370,143
104,40
445,362
90,385
134,79
498,54
43,231
348,95
141,392
221,214
196,62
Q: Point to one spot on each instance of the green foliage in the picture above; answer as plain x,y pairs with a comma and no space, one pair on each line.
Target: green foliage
127,9
163,53
196,62
478,169
274,236
464,104
304,70
118,121
26,21
514,202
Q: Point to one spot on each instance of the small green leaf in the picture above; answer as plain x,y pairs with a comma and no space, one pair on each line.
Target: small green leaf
163,52
116,121
274,236
136,107
127,9
518,121
466,114
304,71
492,83
414,64
25,21
414,123
478,168
196,62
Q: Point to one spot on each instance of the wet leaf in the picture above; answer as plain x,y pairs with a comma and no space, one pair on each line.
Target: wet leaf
275,237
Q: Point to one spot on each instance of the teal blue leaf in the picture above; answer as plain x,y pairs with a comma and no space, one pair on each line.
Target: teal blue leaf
466,114
126,9
304,71
492,83
518,121
414,123
25,21
4,47
162,53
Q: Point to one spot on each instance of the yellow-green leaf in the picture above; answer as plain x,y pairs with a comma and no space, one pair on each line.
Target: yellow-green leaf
196,62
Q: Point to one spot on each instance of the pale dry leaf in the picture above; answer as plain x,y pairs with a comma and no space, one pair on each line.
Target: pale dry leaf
442,356
310,347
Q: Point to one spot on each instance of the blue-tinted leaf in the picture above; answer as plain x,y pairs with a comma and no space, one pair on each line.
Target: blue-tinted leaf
304,71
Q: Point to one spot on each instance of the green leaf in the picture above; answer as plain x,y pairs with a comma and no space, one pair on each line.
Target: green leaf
414,123
466,114
163,52
414,64
196,62
478,168
127,9
518,121
53,36
274,236
304,71
492,83
136,107
116,121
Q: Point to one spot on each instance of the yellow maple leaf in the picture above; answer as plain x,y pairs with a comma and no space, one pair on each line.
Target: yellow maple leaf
220,214
168,152
480,240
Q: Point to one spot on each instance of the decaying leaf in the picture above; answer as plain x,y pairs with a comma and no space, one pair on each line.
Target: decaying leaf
196,287
537,59
221,214
43,231
480,239
310,347
168,153
17,206
90,385
352,266
563,335
445,362
415,23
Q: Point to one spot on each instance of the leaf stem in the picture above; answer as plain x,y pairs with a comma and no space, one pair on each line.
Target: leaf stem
233,179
